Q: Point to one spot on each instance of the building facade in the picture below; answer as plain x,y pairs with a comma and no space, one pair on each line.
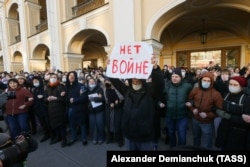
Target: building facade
36,35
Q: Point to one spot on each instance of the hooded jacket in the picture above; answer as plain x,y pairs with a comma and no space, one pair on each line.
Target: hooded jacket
205,100
80,101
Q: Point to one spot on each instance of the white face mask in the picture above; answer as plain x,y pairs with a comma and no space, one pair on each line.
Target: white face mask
92,86
36,84
64,79
225,77
183,74
52,80
136,87
234,89
205,85
170,71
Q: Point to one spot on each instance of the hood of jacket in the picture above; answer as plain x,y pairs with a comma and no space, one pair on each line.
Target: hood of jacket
209,75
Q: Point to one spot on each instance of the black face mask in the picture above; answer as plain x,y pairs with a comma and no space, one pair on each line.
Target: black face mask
107,85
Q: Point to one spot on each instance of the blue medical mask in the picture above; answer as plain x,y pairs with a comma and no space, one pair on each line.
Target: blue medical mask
205,85
234,89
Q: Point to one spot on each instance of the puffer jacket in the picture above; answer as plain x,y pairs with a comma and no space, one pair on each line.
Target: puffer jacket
176,96
205,100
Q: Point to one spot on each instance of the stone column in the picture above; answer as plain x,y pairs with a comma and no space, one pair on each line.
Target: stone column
123,19
4,39
72,61
54,30
157,47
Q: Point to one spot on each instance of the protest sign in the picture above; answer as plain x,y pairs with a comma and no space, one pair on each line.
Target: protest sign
130,60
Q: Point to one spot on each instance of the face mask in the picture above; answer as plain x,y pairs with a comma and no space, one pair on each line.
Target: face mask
234,89
136,87
92,86
205,85
108,85
225,77
64,79
52,80
5,82
183,74
170,71
36,84
46,77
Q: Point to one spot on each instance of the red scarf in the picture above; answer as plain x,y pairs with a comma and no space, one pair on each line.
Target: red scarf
54,84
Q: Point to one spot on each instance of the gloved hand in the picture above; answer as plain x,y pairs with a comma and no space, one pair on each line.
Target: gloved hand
223,114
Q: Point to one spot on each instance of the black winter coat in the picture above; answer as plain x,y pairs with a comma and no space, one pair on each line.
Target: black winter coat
140,107
80,103
56,108
234,134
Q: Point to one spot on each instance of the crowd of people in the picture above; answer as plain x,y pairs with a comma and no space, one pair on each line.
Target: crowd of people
93,107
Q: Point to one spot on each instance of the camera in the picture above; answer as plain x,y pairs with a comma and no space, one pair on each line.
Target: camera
18,151
11,95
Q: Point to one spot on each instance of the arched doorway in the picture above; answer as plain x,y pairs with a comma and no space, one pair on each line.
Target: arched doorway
87,46
225,24
17,62
13,24
40,60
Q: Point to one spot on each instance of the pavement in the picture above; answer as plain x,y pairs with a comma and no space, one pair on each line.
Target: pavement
78,155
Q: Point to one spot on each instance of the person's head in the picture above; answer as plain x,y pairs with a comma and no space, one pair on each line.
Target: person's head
91,83
198,72
206,80
225,74
46,77
13,83
107,83
53,78
176,76
236,84
21,79
36,81
237,70
71,77
64,78
136,84
165,67
183,72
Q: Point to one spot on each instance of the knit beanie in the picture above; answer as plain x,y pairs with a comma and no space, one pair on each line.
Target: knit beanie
242,81
177,71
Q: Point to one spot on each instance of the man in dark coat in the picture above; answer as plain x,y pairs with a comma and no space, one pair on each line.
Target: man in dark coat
140,100
77,102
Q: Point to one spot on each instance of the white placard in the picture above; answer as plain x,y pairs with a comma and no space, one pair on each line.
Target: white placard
130,60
